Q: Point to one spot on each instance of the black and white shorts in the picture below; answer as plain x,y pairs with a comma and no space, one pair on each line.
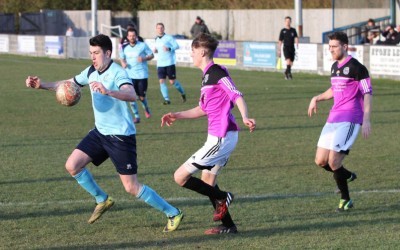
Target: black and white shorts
339,136
214,154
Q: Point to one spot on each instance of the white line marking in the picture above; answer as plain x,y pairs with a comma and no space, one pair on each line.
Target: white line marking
242,197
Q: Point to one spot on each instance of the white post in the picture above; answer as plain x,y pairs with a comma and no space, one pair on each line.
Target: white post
299,17
94,17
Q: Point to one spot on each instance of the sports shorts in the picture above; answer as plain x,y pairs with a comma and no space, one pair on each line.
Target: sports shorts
214,154
339,137
289,52
169,71
121,149
140,86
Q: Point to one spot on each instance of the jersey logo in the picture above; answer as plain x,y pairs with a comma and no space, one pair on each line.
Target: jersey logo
346,71
205,79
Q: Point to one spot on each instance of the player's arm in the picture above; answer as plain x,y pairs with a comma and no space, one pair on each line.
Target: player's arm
125,93
312,108
242,106
296,41
173,45
279,47
124,64
170,118
366,126
36,83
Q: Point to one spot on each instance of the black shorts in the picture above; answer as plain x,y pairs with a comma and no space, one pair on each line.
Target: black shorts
121,149
140,86
169,71
289,52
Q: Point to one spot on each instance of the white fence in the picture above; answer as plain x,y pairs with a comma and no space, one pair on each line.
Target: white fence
382,61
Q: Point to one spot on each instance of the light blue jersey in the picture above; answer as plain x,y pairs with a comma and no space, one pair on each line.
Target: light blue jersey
111,115
135,69
166,58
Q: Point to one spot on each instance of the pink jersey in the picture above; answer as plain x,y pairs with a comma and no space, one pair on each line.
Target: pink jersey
350,82
217,99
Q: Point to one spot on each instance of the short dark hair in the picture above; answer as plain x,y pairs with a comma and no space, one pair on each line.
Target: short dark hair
339,36
131,30
206,41
288,17
103,41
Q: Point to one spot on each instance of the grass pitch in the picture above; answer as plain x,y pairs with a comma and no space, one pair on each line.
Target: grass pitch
283,201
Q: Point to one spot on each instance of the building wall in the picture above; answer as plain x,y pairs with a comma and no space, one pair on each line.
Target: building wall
253,25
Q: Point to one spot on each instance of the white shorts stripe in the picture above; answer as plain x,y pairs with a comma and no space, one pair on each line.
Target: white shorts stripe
214,154
338,136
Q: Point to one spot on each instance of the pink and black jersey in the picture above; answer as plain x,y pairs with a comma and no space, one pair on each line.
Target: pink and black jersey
217,99
350,82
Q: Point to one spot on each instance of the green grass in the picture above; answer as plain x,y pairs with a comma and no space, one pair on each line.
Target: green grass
283,201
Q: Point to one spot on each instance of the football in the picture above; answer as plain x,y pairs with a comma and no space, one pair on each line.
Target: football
68,93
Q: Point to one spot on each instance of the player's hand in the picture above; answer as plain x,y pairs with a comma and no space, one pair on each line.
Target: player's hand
140,59
33,82
167,119
250,123
98,87
166,48
155,50
312,108
366,129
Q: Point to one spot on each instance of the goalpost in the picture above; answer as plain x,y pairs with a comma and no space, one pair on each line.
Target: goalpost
111,30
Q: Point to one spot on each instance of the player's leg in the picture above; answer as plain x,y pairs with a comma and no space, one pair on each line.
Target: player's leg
142,89
122,151
227,226
162,75
89,150
343,136
171,72
135,109
152,198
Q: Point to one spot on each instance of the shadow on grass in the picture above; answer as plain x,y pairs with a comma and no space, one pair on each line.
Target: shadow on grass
200,241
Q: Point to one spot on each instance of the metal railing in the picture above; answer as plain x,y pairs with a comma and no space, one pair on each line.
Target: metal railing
355,31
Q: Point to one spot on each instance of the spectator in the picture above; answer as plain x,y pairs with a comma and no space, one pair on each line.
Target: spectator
199,27
69,32
366,29
374,37
392,37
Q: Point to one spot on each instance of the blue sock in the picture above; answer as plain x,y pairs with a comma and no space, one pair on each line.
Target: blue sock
149,196
135,109
179,87
85,179
144,105
164,91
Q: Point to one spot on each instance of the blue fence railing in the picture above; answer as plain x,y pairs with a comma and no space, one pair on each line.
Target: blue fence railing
355,31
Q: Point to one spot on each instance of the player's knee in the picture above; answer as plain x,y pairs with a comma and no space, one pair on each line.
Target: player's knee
320,162
72,168
132,188
178,179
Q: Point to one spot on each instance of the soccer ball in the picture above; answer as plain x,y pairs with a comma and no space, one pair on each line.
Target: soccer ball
68,93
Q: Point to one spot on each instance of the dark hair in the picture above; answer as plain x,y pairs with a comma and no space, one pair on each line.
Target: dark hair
103,41
339,36
371,21
132,30
288,17
206,41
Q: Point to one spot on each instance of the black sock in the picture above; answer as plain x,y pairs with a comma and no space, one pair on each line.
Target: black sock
327,168
227,220
203,188
289,69
340,177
